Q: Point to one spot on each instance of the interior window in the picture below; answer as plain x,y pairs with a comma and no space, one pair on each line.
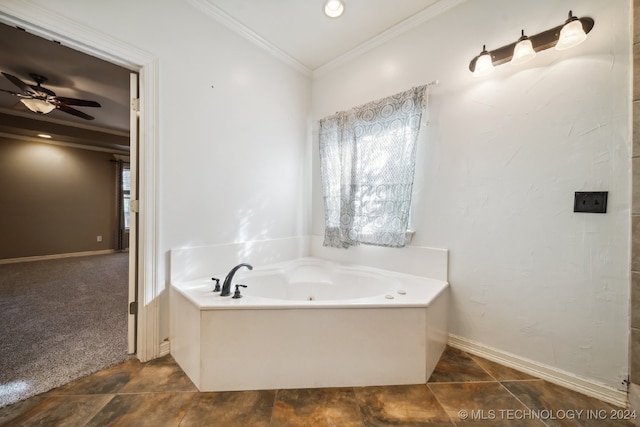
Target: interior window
126,193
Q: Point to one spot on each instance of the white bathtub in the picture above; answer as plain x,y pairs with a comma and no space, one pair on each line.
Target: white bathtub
309,323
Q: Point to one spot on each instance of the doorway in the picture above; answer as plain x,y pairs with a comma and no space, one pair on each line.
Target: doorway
95,43
71,256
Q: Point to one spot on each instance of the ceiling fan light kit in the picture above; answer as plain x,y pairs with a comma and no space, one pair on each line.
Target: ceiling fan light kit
573,32
38,105
41,100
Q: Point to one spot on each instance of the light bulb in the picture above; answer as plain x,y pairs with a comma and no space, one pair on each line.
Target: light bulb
484,63
333,8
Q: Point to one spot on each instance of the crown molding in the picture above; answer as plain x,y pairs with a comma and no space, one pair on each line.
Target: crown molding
236,26
39,117
402,27
87,146
398,29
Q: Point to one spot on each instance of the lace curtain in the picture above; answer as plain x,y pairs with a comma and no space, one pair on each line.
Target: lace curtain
367,164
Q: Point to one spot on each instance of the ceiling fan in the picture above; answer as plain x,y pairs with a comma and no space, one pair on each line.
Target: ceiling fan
42,100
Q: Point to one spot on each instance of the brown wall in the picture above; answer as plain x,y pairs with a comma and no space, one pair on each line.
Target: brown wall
55,199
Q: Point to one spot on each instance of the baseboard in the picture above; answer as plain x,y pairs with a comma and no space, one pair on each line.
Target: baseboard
165,348
56,256
548,373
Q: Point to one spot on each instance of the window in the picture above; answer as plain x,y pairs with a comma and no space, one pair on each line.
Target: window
367,161
126,193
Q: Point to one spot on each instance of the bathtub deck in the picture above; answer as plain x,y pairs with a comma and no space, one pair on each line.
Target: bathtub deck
414,292
226,349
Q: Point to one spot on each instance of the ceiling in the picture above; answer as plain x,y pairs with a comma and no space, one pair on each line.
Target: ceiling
296,31
70,74
301,30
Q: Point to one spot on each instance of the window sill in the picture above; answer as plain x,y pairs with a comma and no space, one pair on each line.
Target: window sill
410,234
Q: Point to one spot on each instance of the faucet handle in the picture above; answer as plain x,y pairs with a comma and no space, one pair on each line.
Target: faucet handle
236,294
217,288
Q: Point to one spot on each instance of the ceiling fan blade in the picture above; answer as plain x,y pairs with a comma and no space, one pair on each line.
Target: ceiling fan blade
8,91
80,102
19,83
73,111
42,91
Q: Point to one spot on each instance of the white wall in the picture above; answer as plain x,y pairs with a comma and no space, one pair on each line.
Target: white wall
503,158
233,131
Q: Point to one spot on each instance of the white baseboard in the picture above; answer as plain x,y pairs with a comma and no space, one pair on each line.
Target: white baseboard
56,256
548,373
165,348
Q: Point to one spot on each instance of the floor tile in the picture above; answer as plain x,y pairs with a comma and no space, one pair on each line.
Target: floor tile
232,409
501,372
316,407
159,375
564,405
403,405
60,411
10,412
464,391
457,366
109,380
147,409
480,403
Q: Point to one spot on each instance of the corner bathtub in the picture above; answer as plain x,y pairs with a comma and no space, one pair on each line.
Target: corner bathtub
309,323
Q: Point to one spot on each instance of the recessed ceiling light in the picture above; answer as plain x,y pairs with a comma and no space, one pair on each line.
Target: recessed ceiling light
333,8
44,135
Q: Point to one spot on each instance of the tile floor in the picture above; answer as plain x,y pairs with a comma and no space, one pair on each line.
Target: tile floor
464,390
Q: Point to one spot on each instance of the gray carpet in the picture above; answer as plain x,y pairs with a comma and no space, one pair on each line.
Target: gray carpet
60,320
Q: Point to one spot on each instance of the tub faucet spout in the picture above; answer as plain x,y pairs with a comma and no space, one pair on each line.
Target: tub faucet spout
226,286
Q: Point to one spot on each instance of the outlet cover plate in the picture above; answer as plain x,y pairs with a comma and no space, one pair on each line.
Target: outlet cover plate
590,201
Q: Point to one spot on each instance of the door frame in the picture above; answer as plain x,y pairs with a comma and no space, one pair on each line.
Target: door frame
132,321
52,26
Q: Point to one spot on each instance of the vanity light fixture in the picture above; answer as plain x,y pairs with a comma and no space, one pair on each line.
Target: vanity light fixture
333,8
44,135
573,32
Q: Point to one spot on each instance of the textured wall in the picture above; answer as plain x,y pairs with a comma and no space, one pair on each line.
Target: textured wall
502,159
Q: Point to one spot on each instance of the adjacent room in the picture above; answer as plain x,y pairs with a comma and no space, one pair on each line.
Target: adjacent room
500,229
64,264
